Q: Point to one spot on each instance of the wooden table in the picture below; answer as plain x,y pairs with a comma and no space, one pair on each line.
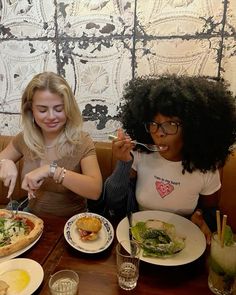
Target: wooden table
97,272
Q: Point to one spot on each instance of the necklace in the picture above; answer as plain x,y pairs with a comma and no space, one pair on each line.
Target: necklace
50,146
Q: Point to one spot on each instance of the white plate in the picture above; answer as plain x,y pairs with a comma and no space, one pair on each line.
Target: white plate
195,239
18,253
33,268
105,235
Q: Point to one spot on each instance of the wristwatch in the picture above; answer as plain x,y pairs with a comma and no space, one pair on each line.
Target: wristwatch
53,167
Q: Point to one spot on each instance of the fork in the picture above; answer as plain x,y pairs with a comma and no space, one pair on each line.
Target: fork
30,196
20,205
150,147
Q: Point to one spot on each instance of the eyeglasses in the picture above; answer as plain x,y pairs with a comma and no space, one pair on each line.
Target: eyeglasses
168,127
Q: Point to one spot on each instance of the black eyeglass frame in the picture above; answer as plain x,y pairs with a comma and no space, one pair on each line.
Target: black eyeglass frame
160,125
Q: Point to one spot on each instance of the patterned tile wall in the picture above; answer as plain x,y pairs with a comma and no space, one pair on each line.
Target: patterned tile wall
98,45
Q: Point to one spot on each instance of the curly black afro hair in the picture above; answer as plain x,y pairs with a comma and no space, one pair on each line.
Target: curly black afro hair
205,107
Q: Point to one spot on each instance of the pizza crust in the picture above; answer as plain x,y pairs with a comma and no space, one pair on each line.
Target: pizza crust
20,243
3,287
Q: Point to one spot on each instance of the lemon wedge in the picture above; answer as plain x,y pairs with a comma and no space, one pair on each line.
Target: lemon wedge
17,280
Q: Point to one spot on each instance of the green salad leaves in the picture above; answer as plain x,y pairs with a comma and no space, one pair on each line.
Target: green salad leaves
157,238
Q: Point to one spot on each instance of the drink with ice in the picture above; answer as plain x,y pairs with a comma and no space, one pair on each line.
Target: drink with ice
65,286
222,266
127,258
127,276
64,282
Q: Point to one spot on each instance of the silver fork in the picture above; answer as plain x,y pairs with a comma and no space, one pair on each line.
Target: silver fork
20,205
150,147
30,196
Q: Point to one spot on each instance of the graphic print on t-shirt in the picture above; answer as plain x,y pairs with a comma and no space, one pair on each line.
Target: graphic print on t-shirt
164,186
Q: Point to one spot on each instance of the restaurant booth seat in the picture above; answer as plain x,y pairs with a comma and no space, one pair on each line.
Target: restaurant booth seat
226,196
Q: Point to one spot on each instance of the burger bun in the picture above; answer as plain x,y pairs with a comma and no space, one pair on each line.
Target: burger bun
88,227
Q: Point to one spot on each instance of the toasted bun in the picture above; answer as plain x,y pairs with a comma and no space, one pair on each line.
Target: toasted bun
3,287
89,223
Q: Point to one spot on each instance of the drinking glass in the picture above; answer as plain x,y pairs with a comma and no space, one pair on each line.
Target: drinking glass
222,267
127,258
64,282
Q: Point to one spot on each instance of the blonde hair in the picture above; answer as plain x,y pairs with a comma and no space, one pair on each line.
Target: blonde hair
70,135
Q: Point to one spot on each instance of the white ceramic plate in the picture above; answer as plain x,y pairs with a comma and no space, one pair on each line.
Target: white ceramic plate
105,235
21,265
195,239
18,253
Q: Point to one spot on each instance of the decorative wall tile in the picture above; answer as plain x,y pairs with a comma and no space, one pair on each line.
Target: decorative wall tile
98,83
20,61
10,124
230,24
193,57
99,45
228,71
21,19
179,17
95,18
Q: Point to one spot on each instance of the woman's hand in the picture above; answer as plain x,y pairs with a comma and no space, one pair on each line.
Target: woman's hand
122,146
198,219
34,179
8,174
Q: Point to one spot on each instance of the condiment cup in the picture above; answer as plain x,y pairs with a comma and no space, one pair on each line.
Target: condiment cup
64,282
127,263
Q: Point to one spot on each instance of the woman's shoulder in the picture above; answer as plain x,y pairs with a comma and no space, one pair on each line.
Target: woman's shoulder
84,134
85,144
85,138
19,143
18,138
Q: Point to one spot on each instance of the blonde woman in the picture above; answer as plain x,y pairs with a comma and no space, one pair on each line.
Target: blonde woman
60,170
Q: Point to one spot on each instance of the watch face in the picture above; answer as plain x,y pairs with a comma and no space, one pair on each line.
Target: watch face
53,167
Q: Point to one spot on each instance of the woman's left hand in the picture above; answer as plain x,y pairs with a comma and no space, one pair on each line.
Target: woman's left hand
34,179
198,219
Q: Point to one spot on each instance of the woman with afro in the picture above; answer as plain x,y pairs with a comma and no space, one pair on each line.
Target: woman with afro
192,120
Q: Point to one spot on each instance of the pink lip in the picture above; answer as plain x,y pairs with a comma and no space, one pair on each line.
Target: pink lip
51,125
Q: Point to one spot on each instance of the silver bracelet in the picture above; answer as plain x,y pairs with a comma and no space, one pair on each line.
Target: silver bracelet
53,168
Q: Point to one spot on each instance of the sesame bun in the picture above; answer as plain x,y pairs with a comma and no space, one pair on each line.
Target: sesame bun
88,227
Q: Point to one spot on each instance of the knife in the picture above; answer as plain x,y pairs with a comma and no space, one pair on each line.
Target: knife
11,204
130,220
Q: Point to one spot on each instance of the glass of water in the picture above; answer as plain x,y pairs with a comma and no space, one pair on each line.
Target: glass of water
64,282
127,258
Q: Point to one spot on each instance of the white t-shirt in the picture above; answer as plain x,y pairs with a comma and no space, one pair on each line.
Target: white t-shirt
162,186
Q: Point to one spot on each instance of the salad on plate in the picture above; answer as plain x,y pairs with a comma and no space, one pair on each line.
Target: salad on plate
157,238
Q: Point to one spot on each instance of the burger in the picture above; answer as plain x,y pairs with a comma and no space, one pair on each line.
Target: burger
88,227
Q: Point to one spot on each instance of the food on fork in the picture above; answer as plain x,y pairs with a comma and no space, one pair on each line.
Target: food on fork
157,238
18,231
88,227
3,287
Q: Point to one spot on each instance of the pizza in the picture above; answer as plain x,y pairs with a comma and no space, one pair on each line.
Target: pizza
18,231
